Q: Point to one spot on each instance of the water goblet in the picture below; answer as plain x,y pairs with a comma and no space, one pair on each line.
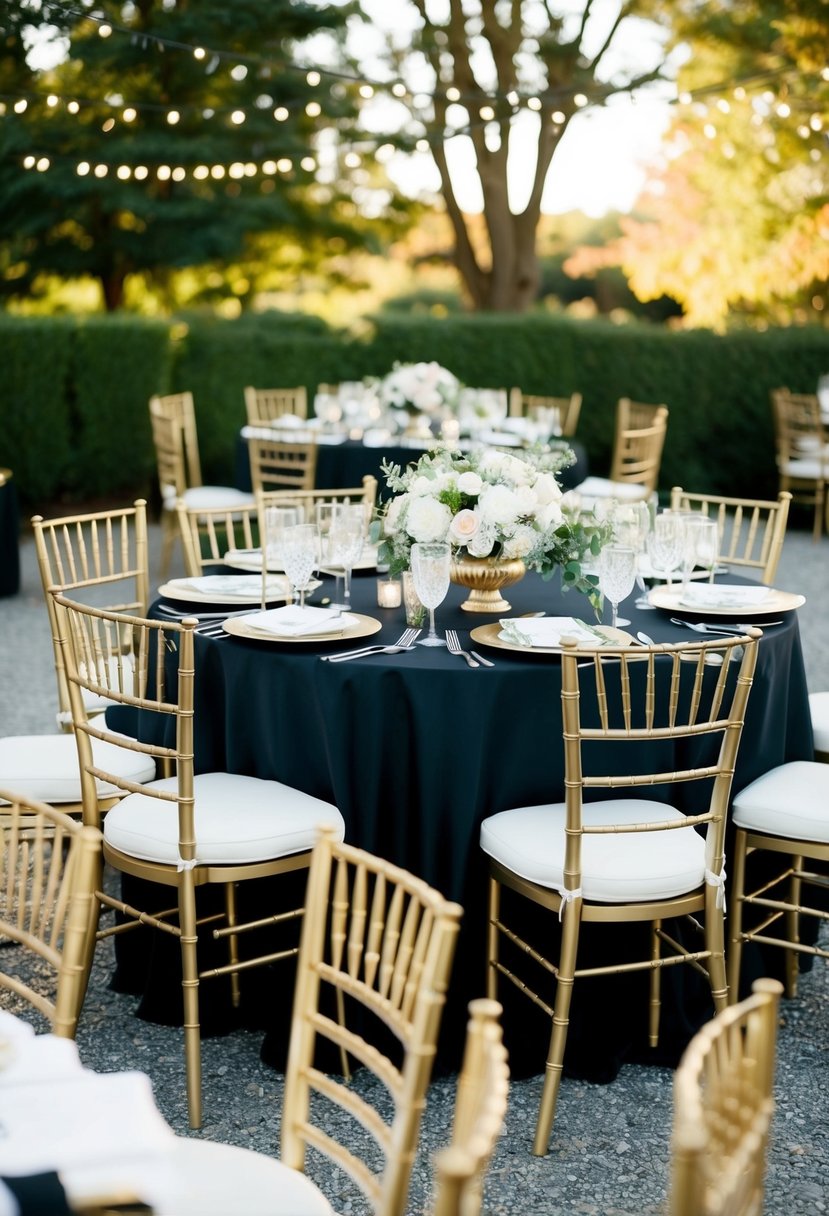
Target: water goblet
275,520
617,575
345,541
430,571
707,544
300,555
325,512
665,543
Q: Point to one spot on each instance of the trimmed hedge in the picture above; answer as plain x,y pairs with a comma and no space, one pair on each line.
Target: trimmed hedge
75,412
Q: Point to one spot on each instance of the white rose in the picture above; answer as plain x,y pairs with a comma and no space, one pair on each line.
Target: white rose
492,462
499,506
427,519
464,527
482,542
470,483
521,542
422,485
549,516
526,496
517,471
547,488
392,517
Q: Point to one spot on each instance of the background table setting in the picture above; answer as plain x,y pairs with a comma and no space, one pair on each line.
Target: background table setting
416,746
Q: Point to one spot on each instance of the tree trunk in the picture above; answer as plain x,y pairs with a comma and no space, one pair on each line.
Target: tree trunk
112,285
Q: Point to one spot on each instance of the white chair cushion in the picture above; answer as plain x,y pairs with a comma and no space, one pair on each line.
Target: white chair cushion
121,674
791,800
208,497
46,766
602,487
238,820
202,1178
616,868
819,709
810,468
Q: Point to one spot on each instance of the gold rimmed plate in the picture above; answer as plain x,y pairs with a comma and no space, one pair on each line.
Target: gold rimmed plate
251,559
355,625
670,599
487,635
240,590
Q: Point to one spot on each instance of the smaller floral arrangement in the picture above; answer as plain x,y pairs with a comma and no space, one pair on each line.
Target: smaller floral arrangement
489,503
419,388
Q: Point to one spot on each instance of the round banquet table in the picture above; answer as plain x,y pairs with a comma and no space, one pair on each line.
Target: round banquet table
340,465
416,749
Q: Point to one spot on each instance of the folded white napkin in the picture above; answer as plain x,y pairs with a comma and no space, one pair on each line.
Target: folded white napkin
548,631
332,438
39,1058
723,595
241,586
291,621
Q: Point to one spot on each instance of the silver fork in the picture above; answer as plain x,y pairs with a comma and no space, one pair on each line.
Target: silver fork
404,642
453,645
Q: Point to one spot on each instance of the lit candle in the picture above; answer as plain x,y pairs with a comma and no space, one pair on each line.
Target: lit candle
389,593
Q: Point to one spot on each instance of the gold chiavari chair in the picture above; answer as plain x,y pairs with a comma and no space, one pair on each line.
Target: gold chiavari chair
637,453
802,451
306,500
751,530
49,869
173,422
781,814
101,555
373,968
277,464
184,831
480,1110
208,534
266,405
629,859
523,405
723,1107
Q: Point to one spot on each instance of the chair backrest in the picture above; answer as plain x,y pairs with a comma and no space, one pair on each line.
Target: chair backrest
751,530
207,534
638,443
480,1109
522,405
723,1107
49,871
276,464
692,716
799,430
306,500
268,404
373,967
102,554
123,658
180,408
170,458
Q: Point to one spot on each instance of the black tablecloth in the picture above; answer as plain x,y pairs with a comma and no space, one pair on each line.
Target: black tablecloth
416,749
9,535
346,464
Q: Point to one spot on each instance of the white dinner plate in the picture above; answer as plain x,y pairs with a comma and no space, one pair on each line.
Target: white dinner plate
488,635
243,589
671,599
354,626
251,559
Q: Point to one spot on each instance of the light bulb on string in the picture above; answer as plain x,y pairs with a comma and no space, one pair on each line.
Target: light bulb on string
280,113
313,109
313,79
173,117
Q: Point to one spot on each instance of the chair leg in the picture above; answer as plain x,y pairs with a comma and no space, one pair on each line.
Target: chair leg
190,997
655,1008
735,948
232,943
561,1021
492,939
168,540
715,943
793,928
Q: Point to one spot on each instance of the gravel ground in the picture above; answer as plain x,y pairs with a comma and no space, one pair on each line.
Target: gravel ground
610,1150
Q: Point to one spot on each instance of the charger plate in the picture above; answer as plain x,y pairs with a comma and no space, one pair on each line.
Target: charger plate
251,559
354,626
670,598
181,589
487,635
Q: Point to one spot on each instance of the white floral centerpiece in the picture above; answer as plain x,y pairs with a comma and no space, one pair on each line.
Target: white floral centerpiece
489,504
419,389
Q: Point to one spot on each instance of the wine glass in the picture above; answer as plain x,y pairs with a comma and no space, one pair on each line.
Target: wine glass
430,571
665,543
706,544
300,556
325,512
275,521
617,575
345,540
631,523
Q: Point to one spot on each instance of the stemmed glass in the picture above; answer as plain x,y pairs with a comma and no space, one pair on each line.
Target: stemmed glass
665,543
325,512
275,521
631,523
300,555
701,538
617,575
430,571
345,540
